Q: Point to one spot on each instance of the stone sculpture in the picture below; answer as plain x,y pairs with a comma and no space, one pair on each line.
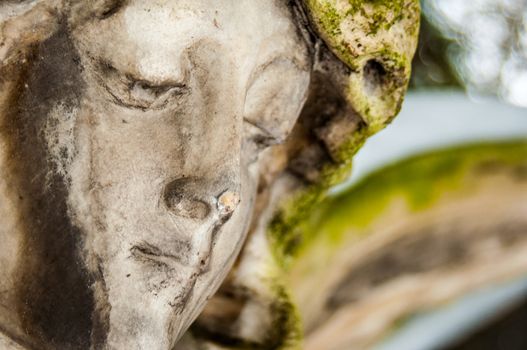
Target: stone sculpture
142,141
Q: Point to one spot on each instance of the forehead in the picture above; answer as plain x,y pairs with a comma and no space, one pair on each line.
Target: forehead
242,23
251,13
156,31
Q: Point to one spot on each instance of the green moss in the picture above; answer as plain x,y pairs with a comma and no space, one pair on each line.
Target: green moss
375,15
287,227
421,181
379,108
285,332
330,19
359,31
287,328
291,229
383,14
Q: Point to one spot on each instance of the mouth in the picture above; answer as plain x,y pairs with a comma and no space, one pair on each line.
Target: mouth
189,265
145,252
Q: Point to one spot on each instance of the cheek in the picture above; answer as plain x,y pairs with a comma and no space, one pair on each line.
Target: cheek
119,168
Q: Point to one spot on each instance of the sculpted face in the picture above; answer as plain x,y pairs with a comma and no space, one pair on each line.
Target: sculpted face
181,96
160,152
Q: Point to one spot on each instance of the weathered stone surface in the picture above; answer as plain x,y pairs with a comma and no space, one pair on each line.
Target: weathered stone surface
377,40
132,138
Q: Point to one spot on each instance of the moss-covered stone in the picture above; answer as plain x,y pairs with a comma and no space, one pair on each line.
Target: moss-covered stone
287,227
376,39
421,181
406,199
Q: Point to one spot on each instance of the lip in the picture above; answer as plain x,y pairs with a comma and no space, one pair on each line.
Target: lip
190,259
147,252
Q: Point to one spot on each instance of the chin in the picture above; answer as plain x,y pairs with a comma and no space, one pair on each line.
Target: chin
141,305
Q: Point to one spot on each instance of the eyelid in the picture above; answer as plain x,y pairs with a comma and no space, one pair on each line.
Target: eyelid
167,83
263,133
130,91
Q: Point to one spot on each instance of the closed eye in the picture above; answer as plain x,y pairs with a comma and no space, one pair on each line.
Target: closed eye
260,135
130,91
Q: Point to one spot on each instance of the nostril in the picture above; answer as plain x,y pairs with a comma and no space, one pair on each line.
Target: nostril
186,207
195,198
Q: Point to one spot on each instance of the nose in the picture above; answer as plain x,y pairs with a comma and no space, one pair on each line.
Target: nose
199,199
209,203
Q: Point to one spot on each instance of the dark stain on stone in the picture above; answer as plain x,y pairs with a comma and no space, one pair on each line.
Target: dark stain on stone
55,301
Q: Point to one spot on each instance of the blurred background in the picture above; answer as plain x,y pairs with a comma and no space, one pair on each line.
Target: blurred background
427,241
480,48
